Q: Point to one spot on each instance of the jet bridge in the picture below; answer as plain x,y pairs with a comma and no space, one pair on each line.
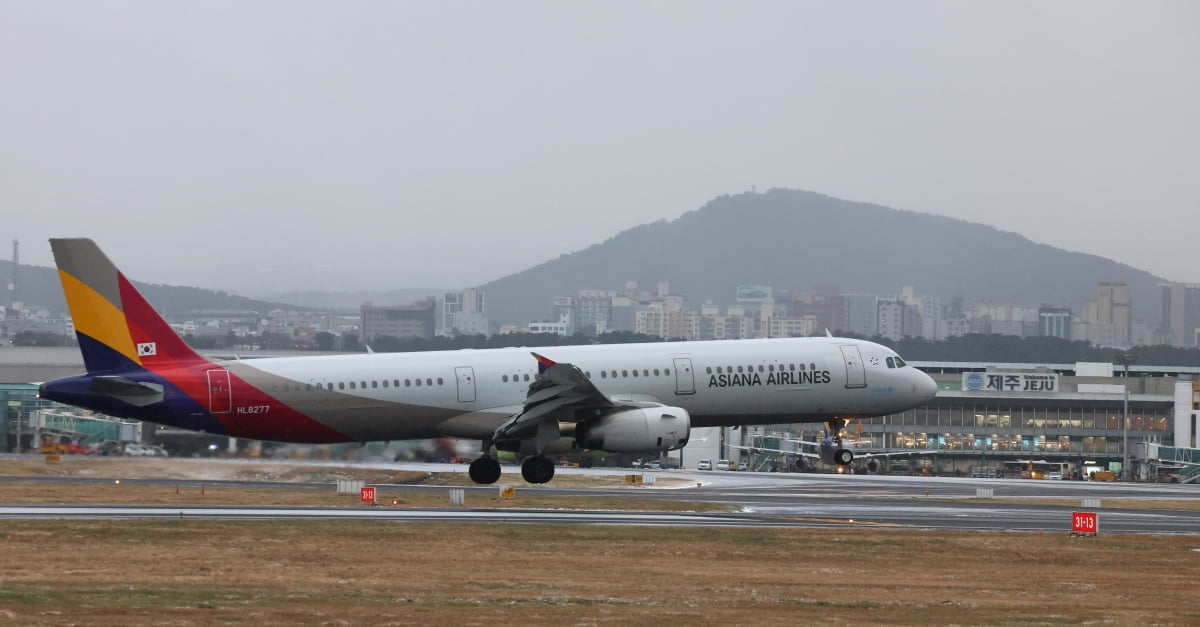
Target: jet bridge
1176,456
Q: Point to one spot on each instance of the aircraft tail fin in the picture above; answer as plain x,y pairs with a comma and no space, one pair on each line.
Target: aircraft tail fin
117,328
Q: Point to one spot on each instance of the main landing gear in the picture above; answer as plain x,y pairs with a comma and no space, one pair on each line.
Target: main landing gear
484,470
537,469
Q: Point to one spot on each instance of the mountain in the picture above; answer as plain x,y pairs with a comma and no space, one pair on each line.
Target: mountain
40,287
795,240
792,240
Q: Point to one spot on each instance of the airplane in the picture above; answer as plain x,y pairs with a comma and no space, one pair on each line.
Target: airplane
536,402
834,449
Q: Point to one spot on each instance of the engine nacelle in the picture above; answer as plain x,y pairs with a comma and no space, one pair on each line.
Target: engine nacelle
636,430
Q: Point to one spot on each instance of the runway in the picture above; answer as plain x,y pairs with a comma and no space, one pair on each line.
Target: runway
762,499
944,516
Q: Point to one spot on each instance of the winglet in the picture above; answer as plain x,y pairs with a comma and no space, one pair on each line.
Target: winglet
543,363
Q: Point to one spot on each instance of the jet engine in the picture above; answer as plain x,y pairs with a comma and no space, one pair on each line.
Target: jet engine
636,430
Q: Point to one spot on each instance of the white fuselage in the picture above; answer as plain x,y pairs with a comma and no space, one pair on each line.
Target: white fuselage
467,393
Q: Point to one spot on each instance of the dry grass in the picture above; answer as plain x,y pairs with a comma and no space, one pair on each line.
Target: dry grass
201,469
18,492
194,572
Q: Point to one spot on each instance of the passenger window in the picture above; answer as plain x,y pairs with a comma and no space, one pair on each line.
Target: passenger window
374,384
331,385
364,385
667,372
771,367
625,373
341,385
739,369
635,373
408,383
603,374
526,377
418,383
614,374
351,385
395,382
504,379
428,381
385,383
440,381
656,371
801,367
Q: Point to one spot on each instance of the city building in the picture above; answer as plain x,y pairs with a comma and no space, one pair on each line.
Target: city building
1107,320
399,321
1054,322
1180,307
464,313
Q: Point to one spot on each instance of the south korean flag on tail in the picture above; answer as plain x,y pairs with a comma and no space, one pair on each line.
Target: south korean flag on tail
147,349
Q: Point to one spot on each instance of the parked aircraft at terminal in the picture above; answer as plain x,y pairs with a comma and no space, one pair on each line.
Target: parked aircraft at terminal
536,402
834,447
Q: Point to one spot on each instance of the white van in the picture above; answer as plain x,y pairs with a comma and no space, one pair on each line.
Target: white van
704,464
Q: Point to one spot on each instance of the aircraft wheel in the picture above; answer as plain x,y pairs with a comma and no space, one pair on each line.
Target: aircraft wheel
537,469
843,457
484,470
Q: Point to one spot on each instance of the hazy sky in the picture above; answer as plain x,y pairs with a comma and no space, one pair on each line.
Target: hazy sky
333,145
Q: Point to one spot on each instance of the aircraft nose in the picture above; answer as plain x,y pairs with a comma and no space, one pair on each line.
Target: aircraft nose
926,387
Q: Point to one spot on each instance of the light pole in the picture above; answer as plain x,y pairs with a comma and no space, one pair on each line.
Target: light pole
1125,359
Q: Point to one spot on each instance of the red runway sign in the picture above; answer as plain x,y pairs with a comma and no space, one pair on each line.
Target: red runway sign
368,495
1084,522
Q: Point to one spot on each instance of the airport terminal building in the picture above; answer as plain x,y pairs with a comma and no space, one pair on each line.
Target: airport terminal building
1066,412
986,414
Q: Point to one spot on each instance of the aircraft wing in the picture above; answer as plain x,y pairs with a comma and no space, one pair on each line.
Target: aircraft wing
798,453
561,393
757,449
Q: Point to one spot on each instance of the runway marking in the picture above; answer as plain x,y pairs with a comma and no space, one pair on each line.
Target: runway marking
842,521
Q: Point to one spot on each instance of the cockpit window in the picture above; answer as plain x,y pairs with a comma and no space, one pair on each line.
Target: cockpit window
899,362
891,363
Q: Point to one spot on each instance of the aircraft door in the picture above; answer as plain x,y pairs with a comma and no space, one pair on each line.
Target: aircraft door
220,392
856,374
685,382
466,384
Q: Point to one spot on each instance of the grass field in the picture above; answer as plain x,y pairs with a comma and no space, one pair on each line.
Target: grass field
268,572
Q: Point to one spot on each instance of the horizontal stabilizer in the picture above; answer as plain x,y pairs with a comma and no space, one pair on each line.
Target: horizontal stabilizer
127,390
